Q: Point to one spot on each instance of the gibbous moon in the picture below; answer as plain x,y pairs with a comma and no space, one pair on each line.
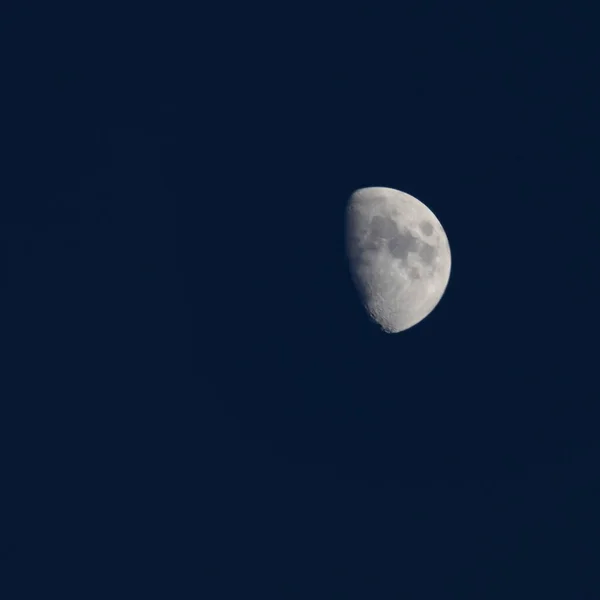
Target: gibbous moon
399,256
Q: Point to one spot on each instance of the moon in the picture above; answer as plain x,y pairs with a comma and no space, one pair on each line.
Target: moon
399,256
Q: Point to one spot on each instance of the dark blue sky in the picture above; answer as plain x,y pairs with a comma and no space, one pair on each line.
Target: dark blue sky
198,405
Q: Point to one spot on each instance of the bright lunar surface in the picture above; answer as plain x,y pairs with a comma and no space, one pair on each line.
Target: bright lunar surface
399,256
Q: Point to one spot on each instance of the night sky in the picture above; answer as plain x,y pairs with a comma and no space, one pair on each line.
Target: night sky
196,404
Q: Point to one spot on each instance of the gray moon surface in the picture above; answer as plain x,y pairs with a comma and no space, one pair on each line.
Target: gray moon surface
399,256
